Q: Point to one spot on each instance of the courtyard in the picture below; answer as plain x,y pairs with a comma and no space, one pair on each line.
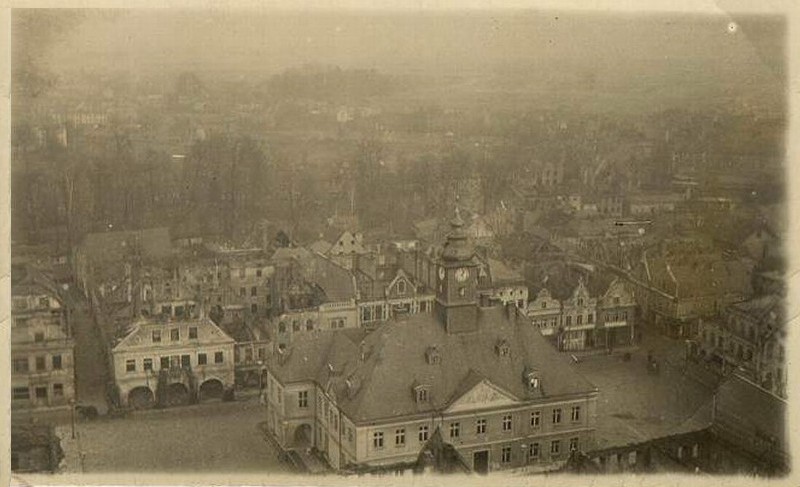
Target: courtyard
216,437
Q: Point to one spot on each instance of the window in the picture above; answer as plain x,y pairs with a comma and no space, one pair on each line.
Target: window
533,450
536,417
175,334
401,287
569,320
254,308
242,291
309,325
241,272
350,436
422,395
377,440
217,357
44,303
156,336
576,413
580,301
38,337
544,304
590,318
193,332
680,452
130,366
21,365
480,427
282,327
507,422
40,363
302,399
337,323
423,433
555,447
21,393
573,444
616,301
186,362
56,359
455,429
505,455
258,273
164,363
580,319
58,390
254,291
400,437
41,393
556,416
147,364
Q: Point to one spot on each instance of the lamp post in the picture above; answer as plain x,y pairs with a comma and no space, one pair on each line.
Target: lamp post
72,416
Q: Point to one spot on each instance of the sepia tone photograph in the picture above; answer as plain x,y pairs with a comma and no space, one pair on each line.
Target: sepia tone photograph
359,245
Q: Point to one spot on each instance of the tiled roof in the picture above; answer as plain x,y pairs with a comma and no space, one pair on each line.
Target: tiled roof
704,275
396,360
320,247
501,273
743,406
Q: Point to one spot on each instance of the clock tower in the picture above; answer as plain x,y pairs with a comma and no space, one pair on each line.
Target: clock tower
457,281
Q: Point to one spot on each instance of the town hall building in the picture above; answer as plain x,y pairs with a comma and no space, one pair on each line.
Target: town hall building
473,373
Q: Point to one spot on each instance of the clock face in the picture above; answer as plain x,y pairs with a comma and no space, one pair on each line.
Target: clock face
462,274
441,273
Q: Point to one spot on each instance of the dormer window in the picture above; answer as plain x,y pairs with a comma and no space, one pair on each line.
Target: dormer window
401,287
432,356
502,348
421,393
532,380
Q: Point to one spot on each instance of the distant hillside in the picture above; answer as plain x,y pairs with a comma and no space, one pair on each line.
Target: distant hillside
330,83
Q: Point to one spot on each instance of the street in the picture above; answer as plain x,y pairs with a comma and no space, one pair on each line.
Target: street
218,437
91,370
634,405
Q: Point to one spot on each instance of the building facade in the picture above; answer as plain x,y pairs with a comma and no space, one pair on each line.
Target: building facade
749,336
172,362
42,347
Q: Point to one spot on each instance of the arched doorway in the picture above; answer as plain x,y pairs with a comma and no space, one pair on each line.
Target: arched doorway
141,398
177,394
302,436
211,389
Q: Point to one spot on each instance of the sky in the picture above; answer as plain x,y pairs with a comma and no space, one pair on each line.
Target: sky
618,51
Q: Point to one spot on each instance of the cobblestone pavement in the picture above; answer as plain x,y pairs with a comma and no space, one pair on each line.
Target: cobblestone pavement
218,437
634,405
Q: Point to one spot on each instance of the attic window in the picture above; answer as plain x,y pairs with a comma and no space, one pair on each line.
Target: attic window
432,356
502,348
532,380
422,394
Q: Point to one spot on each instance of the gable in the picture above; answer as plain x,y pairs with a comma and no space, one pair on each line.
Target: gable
483,395
393,289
